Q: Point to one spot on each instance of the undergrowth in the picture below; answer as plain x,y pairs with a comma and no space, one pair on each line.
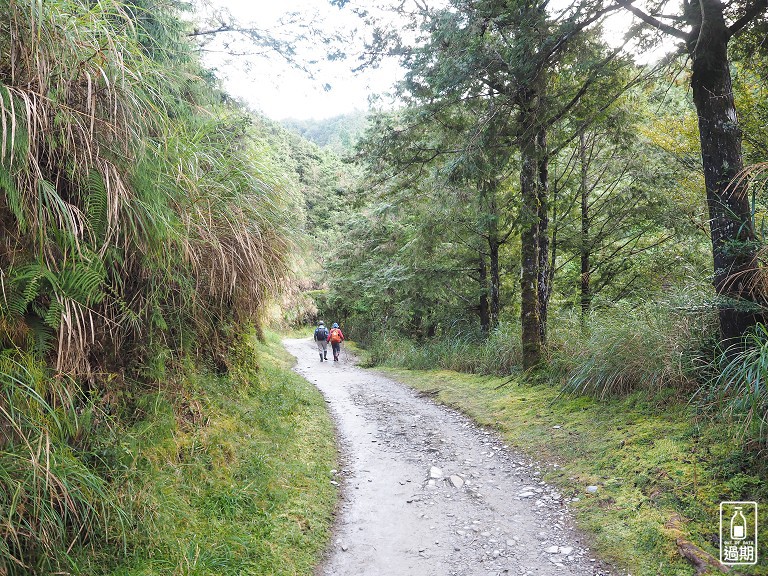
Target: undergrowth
230,476
500,353
200,474
628,348
53,494
736,390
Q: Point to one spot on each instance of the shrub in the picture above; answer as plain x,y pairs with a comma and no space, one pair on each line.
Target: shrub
737,390
51,495
500,353
625,349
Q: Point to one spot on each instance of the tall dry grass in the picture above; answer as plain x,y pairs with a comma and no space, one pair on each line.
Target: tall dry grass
139,225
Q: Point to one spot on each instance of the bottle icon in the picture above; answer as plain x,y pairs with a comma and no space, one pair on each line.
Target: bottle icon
738,525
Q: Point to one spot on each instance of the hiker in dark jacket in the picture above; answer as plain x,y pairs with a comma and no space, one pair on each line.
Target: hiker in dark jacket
321,338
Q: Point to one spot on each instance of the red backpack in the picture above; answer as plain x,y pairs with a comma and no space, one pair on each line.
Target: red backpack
335,336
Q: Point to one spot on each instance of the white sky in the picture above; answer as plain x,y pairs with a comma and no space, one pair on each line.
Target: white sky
280,91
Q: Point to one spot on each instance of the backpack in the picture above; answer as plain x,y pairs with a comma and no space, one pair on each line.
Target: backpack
321,333
335,336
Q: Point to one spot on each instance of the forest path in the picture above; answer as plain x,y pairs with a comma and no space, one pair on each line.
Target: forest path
424,491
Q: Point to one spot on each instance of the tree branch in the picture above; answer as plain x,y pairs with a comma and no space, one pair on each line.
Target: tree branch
648,19
750,14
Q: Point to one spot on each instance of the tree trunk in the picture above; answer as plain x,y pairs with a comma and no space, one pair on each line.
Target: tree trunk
483,309
493,248
490,218
586,296
731,228
544,287
529,237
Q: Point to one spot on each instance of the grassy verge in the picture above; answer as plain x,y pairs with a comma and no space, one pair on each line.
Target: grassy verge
229,475
661,472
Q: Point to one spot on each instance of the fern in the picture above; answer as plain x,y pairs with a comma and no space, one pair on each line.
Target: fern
96,206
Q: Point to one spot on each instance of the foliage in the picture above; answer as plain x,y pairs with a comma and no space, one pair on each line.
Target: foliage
143,228
653,348
339,134
120,218
225,475
737,389
323,193
499,354
52,492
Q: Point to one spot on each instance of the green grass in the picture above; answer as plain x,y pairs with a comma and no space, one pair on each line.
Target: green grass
651,459
229,476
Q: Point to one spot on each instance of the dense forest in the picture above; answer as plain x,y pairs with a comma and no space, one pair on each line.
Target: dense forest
540,203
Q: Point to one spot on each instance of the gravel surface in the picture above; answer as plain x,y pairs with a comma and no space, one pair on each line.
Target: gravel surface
424,491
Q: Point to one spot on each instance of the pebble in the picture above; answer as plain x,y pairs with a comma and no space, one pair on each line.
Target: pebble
435,472
456,481
591,489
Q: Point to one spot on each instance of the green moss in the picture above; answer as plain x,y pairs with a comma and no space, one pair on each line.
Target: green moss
231,475
650,463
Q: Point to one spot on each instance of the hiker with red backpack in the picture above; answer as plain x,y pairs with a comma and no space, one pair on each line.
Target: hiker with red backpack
321,339
336,337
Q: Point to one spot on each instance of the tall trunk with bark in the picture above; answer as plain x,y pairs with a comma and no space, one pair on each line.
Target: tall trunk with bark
731,228
483,309
544,286
490,224
529,237
586,296
495,291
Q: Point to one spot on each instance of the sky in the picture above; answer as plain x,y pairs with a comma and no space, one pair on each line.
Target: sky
269,84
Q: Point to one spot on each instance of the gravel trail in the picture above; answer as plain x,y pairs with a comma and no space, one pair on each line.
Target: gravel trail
427,492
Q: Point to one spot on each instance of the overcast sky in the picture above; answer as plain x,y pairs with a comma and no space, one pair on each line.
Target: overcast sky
280,91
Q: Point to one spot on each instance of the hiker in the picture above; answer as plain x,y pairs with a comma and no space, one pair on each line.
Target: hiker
321,338
336,337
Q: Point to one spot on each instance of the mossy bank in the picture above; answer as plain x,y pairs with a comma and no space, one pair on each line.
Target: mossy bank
232,477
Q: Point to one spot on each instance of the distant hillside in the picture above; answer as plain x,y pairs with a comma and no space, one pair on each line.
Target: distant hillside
338,133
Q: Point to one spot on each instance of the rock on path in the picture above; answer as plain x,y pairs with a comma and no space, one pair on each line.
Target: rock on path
425,491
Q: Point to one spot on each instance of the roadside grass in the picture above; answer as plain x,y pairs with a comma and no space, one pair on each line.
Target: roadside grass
228,475
661,469
299,331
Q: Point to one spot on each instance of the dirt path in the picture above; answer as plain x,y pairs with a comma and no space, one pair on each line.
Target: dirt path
426,492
